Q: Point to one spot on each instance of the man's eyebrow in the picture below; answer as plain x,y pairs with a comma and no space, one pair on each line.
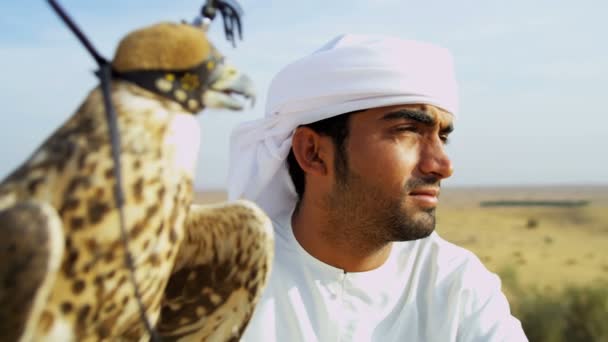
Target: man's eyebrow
418,116
407,114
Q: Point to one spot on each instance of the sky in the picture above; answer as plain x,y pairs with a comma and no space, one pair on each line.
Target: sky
532,75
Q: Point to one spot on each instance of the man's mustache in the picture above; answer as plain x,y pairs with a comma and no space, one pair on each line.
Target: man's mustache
415,183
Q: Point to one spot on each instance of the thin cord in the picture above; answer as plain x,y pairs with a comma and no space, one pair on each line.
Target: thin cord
105,74
83,39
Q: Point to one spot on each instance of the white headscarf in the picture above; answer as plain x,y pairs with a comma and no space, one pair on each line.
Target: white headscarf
350,72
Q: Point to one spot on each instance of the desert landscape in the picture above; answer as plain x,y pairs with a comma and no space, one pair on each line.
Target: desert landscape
549,247
552,259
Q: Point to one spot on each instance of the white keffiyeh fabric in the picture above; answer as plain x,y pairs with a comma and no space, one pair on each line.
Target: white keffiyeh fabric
351,72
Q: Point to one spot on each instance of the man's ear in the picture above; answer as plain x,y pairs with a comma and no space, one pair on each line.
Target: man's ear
310,151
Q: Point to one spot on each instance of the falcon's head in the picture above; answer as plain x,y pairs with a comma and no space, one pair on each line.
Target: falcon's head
177,61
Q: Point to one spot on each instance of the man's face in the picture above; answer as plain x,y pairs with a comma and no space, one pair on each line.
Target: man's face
395,160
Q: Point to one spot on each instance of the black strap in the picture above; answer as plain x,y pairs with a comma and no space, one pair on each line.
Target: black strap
185,87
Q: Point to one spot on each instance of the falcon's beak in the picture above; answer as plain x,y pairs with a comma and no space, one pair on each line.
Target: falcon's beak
226,82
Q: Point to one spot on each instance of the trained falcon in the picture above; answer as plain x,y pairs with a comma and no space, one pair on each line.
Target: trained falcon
199,269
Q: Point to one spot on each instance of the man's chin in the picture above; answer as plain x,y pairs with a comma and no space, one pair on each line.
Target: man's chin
418,226
425,233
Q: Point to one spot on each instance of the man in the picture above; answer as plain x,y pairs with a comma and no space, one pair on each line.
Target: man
348,163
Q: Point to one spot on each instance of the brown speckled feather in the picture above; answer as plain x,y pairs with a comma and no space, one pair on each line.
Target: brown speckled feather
219,274
32,240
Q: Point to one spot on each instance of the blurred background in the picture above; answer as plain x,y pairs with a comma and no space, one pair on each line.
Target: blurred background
530,191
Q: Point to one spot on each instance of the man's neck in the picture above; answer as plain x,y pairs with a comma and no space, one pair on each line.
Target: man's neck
322,240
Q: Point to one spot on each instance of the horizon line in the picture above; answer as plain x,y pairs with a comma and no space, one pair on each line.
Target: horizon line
478,186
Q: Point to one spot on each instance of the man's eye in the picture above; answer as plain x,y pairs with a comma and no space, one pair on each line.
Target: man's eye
444,139
406,129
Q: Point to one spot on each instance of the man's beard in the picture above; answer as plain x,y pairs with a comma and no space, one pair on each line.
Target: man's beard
369,217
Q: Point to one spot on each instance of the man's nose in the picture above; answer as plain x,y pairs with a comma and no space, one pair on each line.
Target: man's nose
434,160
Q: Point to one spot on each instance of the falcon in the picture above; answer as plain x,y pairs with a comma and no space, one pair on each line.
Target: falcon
197,271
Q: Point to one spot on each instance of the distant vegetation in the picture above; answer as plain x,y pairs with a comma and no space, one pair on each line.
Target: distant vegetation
525,203
571,314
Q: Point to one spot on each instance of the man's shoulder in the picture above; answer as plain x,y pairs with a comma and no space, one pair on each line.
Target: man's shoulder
483,309
445,253
452,263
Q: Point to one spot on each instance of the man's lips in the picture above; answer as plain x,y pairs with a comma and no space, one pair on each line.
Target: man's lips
427,197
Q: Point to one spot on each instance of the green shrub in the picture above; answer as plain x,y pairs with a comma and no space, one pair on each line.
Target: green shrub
542,316
587,314
574,314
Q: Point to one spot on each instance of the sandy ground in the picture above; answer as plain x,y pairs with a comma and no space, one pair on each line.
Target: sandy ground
549,248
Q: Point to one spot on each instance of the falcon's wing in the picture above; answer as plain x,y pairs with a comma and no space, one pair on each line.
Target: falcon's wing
220,272
31,249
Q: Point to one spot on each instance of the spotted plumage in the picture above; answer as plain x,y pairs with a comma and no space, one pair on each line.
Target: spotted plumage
199,269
